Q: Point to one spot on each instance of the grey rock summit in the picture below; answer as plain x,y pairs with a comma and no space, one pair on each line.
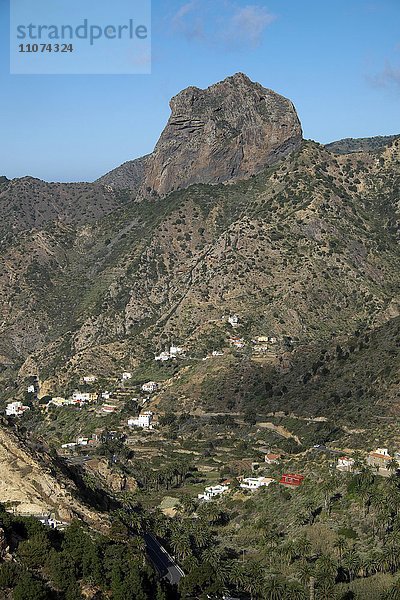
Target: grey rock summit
227,132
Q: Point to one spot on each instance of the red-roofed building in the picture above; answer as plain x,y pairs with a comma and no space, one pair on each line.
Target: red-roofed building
291,480
270,458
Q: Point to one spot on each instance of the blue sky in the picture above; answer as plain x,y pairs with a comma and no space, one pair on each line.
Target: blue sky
339,62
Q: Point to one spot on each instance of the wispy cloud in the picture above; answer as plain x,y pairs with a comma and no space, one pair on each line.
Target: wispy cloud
188,21
388,77
247,25
222,22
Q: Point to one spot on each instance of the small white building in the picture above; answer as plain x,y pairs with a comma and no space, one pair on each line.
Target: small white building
163,357
31,389
144,420
16,409
345,463
59,401
150,387
213,491
254,483
82,441
172,353
106,395
89,379
52,523
217,353
233,320
176,351
126,376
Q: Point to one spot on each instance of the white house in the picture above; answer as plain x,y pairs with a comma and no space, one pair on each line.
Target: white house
345,463
106,395
212,492
254,483
31,389
217,353
15,409
163,357
52,523
84,397
89,379
233,320
173,352
126,375
150,387
69,446
144,420
59,401
82,441
176,351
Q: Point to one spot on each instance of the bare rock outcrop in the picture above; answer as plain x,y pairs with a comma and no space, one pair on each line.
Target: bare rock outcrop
227,132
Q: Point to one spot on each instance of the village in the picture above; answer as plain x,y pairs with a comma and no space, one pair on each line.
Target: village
223,454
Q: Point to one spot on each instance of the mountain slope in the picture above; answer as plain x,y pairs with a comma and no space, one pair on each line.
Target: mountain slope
371,144
306,249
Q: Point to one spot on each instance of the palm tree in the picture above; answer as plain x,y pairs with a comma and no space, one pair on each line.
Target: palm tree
326,569
295,591
351,563
305,571
181,544
391,557
392,465
340,545
394,591
288,552
274,589
303,546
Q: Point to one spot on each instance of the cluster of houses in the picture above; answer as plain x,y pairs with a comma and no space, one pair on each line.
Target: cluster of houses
99,436
252,484
380,459
263,343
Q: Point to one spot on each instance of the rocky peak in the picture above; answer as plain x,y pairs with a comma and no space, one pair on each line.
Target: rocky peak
226,132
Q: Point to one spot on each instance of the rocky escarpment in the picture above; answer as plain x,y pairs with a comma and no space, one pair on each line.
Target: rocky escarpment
227,132
31,486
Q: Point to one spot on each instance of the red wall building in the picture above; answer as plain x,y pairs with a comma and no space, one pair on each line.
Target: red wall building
291,479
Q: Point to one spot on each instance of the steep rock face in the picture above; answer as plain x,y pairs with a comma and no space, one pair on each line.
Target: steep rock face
32,488
227,132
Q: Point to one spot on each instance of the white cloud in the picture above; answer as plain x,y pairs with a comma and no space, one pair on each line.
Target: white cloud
222,22
188,21
248,24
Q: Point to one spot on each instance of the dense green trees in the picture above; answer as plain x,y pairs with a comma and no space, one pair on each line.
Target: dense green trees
57,565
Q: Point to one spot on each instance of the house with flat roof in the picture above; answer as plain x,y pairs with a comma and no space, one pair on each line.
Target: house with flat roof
212,492
255,483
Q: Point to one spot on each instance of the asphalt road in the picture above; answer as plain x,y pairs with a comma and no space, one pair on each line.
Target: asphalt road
162,561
